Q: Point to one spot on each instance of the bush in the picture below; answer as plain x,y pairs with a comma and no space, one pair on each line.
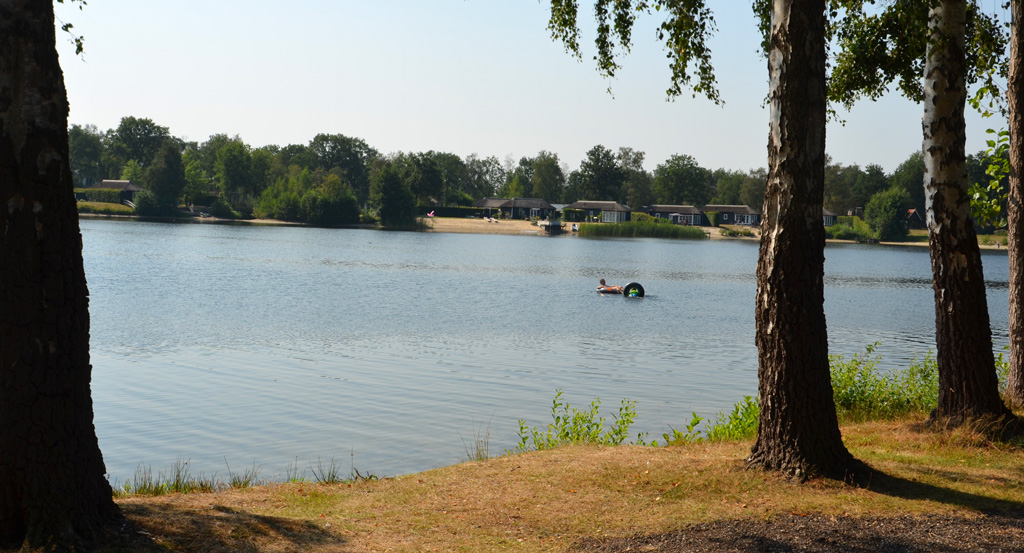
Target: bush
850,228
147,204
741,424
572,426
220,209
320,209
640,217
862,391
572,215
886,213
714,218
734,233
103,195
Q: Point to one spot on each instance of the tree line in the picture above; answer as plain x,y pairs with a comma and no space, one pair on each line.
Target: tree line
328,180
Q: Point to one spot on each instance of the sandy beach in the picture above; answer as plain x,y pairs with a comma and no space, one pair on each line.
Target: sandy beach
480,226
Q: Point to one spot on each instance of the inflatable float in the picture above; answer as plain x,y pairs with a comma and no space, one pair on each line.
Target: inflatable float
631,290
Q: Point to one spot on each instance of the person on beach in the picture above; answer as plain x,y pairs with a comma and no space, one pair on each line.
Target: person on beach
609,288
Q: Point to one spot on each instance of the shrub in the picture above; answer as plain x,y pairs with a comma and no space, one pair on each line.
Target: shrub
572,426
105,195
734,233
850,228
639,217
741,424
886,213
147,204
862,391
572,215
220,209
714,218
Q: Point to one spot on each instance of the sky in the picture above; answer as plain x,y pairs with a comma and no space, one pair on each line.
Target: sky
462,76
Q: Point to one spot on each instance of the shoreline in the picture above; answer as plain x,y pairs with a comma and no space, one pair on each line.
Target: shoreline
466,226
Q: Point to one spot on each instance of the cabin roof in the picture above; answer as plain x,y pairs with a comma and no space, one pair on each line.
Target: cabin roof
603,206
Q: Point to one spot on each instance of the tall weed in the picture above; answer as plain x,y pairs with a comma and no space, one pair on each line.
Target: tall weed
863,391
740,424
574,426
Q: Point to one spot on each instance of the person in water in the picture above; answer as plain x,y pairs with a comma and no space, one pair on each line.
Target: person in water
609,287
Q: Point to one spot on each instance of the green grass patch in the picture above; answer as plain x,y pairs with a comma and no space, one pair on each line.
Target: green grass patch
104,208
641,229
178,479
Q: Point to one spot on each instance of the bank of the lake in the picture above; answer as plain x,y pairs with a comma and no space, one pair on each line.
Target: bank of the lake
472,225
928,492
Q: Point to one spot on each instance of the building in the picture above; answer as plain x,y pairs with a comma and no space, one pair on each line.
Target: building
517,208
127,188
828,217
678,214
734,215
607,212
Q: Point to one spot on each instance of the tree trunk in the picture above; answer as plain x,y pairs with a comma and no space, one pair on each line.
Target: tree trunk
799,431
52,486
968,385
1014,208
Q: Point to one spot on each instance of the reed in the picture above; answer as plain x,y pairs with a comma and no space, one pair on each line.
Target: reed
641,229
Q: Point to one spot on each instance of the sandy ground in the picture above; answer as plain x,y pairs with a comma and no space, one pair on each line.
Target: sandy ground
480,226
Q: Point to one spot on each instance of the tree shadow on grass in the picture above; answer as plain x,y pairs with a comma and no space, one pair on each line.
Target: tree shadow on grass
903,488
223,529
824,533
1000,529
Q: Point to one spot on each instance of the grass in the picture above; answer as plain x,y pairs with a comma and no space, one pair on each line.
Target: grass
104,208
246,479
178,480
547,500
479,448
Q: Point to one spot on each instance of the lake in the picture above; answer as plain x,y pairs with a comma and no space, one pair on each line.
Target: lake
233,346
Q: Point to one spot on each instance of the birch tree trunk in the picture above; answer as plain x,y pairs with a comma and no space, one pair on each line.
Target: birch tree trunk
968,386
1014,208
53,491
799,430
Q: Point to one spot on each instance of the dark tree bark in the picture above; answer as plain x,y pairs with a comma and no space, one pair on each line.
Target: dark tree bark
799,430
1014,208
968,386
52,486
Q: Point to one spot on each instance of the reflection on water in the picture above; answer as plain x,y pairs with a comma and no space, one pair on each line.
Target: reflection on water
229,344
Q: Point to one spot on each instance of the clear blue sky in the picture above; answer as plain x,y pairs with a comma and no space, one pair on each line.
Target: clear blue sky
461,76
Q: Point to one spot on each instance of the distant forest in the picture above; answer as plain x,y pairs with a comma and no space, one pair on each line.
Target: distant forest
336,175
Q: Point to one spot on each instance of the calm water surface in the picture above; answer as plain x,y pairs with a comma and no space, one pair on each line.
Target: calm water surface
279,346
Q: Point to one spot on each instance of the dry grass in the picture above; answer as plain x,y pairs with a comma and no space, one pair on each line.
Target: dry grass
549,500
